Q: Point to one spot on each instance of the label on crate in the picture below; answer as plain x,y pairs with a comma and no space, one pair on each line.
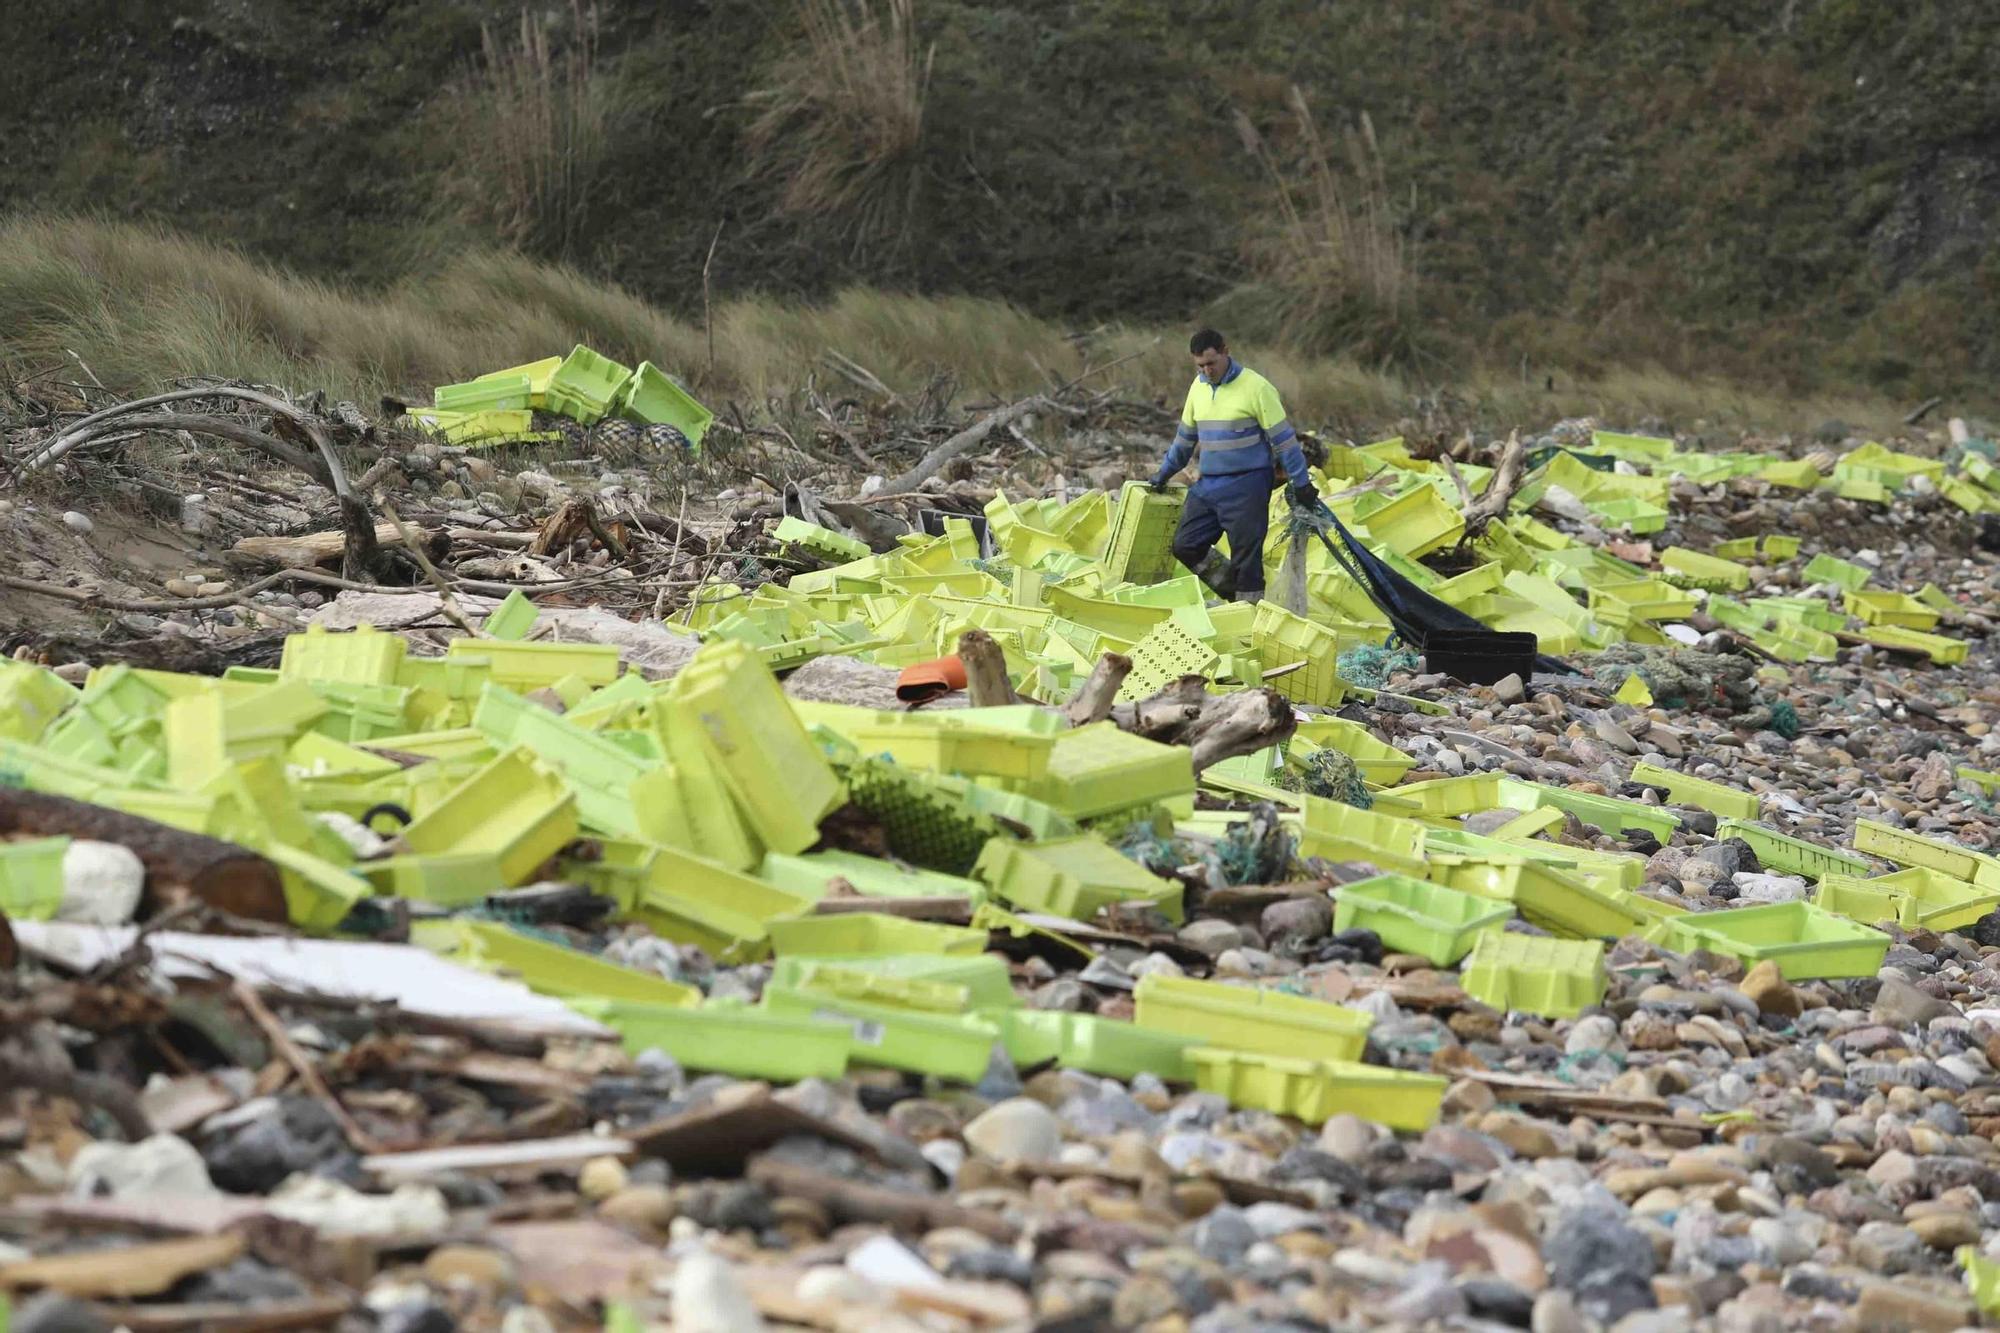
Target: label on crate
866,1031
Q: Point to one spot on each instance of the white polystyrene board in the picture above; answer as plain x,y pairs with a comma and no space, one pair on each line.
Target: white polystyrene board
404,975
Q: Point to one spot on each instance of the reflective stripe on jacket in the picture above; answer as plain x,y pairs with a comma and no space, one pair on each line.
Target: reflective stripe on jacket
1237,425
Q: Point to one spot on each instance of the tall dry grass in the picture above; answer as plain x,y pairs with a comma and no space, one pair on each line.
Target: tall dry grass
841,121
536,132
1332,260
140,307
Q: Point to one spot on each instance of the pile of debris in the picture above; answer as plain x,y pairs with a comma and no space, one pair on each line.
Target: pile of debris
558,399
981,929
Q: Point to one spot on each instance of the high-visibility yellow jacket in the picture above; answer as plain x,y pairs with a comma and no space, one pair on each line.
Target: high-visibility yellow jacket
1238,426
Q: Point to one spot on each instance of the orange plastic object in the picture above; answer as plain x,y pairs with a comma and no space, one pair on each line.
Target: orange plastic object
927,680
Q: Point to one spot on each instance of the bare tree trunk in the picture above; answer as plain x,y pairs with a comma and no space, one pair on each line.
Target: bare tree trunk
179,865
1093,699
986,682
928,466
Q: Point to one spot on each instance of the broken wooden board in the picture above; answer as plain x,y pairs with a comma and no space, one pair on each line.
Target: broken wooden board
180,1215
773,1290
219,1317
716,1138
951,909
124,1271
1533,1092
853,1201
578,1262
529,1157
177,1105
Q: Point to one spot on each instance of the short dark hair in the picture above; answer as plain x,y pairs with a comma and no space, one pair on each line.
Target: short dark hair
1205,340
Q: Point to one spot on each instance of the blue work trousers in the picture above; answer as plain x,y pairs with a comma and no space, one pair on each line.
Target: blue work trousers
1238,504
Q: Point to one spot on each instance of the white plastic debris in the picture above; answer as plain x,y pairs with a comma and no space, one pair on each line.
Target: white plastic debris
101,883
364,841
333,1209
709,1298
887,1262
161,1166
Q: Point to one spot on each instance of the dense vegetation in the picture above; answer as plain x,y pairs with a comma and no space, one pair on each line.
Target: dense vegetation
1800,194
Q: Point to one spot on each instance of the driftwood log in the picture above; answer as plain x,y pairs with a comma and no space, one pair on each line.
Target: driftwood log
312,549
180,866
854,1201
1214,726
986,680
1094,698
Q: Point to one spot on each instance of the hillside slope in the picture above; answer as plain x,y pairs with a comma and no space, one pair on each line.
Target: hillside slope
1801,193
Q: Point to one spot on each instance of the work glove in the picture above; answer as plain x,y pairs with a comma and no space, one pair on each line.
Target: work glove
1305,496
1157,485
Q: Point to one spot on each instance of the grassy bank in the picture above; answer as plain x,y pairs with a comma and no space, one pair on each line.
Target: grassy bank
138,307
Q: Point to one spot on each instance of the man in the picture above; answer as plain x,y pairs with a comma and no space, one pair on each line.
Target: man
1234,422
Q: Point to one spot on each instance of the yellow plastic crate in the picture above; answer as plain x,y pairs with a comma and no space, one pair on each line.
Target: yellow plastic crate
1315,1091
1242,1018
512,808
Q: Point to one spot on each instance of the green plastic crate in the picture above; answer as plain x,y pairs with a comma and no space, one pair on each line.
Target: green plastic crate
547,969
732,704
1803,940
822,542
498,392
1554,899
847,934
1914,849
1692,569
1141,549
363,656
530,666
743,1042
1637,516
1340,832
1416,523
983,977
651,395
1241,1018
1911,898
925,824
821,976
1529,974
1315,1091
1095,1045
1281,639
956,1047
1698,792
1073,877
1824,568
1164,655
512,808
585,385
31,699
512,619
1098,769
1940,649
810,875
1889,608
31,878
1377,761
1794,856
1414,916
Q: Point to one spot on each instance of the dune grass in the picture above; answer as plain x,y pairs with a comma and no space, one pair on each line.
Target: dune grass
141,307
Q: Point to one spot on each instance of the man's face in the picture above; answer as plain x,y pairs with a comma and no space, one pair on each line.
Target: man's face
1213,363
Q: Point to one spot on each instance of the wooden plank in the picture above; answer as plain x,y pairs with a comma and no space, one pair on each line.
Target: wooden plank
530,1155
126,1271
